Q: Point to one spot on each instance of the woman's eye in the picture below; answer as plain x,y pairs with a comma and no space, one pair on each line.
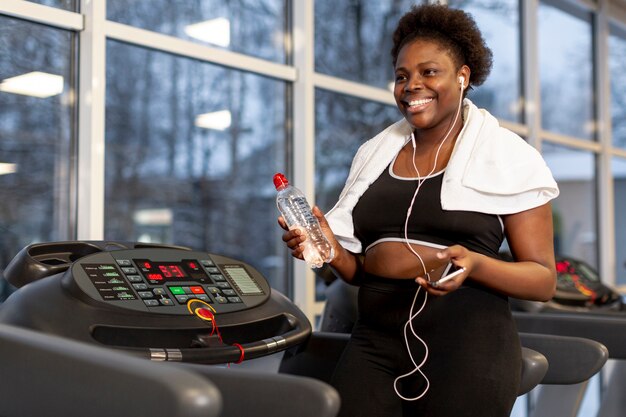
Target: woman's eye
430,72
400,78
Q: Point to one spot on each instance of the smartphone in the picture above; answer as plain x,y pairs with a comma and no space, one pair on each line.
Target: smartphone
447,277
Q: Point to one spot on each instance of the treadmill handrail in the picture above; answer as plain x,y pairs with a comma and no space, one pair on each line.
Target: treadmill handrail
48,375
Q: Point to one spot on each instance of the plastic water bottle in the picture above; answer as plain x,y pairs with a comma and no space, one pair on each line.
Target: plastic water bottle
297,213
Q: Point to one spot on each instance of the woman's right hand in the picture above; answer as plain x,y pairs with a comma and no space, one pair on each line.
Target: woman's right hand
294,238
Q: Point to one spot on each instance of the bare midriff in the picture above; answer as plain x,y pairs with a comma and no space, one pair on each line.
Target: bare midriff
396,260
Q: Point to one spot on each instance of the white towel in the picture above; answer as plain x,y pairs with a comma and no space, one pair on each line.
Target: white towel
491,170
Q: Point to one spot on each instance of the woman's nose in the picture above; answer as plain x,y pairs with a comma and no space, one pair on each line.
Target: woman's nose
413,83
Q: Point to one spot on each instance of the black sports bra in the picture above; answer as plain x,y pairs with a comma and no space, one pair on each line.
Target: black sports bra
381,212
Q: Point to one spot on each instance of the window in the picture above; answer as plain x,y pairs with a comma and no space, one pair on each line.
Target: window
499,23
574,211
617,57
191,149
342,124
566,73
36,128
353,39
254,27
619,178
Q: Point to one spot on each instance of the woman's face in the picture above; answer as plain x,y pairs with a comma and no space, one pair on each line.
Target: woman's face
427,89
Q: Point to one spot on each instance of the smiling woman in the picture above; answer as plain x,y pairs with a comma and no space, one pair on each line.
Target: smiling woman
435,192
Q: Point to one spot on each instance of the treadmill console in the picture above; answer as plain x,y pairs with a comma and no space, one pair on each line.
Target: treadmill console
156,301
164,280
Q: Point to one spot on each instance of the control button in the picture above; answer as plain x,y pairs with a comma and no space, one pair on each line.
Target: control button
218,277
207,262
166,302
124,262
221,299
187,290
134,278
140,286
234,299
197,289
177,290
222,284
151,303
229,292
129,270
145,294
182,299
213,270
158,291
203,297
213,290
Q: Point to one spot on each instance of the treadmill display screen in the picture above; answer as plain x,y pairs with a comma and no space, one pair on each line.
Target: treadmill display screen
159,272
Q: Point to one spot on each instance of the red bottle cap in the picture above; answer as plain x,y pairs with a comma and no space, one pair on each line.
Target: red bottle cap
280,181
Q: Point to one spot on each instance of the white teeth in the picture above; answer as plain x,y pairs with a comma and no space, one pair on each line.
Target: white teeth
420,102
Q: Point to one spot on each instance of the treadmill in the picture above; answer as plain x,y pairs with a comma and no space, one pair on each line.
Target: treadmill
203,312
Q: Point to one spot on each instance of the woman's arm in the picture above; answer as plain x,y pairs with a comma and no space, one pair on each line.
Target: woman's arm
533,274
344,264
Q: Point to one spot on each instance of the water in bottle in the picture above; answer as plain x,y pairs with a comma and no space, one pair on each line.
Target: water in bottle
297,213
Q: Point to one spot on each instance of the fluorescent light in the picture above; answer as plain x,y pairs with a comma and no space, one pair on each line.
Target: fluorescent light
214,31
36,84
217,120
7,168
154,217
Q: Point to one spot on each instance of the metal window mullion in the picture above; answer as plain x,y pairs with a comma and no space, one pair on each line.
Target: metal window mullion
570,141
171,44
606,206
353,89
33,12
303,149
617,13
530,71
91,102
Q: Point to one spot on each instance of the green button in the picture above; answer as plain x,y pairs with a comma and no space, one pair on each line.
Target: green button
177,290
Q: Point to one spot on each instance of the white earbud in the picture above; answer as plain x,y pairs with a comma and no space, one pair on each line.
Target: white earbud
462,82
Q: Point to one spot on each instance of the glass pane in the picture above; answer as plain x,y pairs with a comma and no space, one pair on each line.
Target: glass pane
342,124
70,5
253,27
619,178
566,73
574,211
360,30
498,21
35,132
617,57
191,149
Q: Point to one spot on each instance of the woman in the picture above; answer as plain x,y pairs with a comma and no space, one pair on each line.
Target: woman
435,192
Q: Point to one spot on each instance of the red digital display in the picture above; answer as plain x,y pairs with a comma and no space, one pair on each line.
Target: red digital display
172,271
158,272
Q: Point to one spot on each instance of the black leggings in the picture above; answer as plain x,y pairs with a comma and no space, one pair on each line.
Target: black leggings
473,365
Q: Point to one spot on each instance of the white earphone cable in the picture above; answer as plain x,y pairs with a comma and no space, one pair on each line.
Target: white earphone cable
409,322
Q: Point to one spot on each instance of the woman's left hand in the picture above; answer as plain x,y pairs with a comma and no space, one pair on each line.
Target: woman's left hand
460,258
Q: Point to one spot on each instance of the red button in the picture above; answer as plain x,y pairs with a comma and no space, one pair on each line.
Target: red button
197,290
204,313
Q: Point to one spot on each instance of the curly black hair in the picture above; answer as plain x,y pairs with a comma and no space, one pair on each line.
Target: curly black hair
454,29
